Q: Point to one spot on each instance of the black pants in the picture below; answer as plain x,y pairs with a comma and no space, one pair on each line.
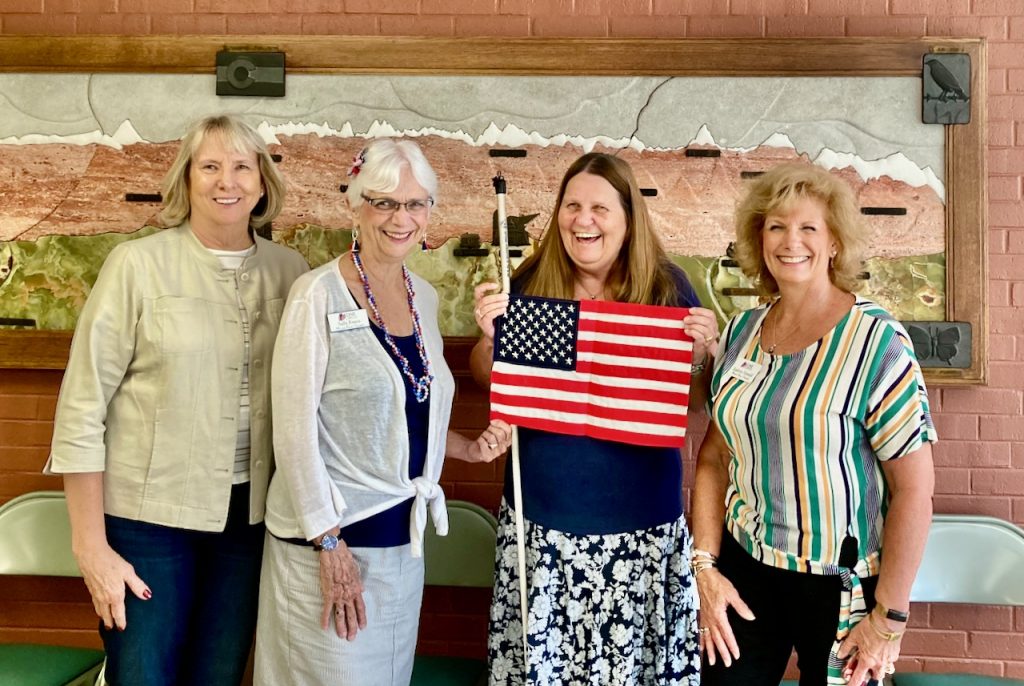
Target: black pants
791,609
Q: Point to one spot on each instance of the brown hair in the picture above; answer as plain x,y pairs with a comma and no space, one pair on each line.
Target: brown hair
642,272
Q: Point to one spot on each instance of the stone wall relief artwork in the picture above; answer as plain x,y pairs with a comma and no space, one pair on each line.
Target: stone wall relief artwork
81,164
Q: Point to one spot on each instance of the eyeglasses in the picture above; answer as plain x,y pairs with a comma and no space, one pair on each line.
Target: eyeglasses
390,205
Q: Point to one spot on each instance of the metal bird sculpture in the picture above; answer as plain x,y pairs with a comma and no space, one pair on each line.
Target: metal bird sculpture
945,80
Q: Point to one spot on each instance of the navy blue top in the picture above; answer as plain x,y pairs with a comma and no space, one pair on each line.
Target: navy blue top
584,486
391,527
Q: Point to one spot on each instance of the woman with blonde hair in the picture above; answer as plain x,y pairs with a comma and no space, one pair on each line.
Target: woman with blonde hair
607,548
162,429
814,482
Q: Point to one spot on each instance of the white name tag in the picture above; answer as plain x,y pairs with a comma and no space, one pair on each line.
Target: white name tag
745,370
343,321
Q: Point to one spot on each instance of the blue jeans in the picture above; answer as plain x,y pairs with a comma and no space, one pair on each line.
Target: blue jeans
198,627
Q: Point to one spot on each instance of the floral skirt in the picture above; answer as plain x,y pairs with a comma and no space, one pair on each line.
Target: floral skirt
605,610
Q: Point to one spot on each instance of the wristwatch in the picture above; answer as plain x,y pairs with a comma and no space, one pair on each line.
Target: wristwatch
327,542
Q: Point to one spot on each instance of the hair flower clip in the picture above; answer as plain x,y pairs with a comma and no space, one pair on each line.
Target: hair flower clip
357,163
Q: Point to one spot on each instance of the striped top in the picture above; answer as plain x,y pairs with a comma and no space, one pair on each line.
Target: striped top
808,433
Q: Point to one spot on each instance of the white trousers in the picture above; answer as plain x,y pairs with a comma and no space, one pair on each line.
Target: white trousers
292,649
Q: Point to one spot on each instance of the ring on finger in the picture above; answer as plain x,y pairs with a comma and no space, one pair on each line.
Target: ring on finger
704,630
890,668
492,445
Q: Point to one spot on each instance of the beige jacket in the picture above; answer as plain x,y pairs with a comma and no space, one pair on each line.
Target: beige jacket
151,391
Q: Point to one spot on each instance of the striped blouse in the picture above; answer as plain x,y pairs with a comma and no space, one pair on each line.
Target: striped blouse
808,432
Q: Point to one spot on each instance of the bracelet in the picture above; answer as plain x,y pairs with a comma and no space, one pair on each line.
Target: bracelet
894,615
697,552
890,636
697,368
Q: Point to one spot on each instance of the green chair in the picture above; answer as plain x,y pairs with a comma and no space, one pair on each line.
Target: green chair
35,539
969,559
465,557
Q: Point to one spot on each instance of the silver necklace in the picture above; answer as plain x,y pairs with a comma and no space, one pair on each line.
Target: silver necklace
584,289
775,335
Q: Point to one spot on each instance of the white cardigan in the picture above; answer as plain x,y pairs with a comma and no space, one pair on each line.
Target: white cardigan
340,436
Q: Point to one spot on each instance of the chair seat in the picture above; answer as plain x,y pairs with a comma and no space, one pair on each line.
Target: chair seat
923,679
436,670
24,664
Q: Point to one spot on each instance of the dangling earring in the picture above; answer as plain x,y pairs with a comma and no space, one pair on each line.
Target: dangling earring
830,258
355,240
423,243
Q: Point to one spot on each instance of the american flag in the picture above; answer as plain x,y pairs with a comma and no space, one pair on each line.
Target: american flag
615,371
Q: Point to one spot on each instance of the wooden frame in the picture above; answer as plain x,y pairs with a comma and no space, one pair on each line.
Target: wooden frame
966,199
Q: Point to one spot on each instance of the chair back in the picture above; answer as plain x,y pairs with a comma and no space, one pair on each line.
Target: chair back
35,536
465,557
971,559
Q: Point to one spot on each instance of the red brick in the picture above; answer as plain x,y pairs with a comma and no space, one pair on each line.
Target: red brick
689,8
768,8
492,26
1005,54
648,27
23,6
1014,245
1006,374
184,24
339,24
1017,294
39,24
997,481
1010,8
595,27
79,6
945,666
1002,348
949,481
22,433
413,25
232,6
1006,214
981,400
1004,188
963,427
797,27
722,27
26,459
19,407
156,6
945,7
1000,134
1014,81
1018,138
940,24
996,645
457,7
997,82
886,26
999,293
1016,28
931,642
1014,670
308,6
536,8
265,24
989,506
1008,106
1018,511
975,617
844,8
971,454
1017,455
110,24
1005,266
612,8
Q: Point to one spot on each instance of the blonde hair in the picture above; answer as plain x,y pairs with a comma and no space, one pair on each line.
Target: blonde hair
238,137
642,272
775,191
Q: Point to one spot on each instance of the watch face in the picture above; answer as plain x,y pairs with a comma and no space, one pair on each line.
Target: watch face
328,542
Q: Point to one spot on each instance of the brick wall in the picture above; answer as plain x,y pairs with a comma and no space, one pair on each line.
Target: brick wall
980,461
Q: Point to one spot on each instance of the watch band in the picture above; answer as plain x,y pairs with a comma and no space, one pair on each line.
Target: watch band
894,615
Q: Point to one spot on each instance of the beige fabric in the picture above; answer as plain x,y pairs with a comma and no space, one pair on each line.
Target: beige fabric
292,649
151,391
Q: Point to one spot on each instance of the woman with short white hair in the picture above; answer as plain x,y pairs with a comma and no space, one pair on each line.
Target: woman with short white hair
362,398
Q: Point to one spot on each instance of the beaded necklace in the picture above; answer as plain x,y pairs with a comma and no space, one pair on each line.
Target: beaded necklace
420,386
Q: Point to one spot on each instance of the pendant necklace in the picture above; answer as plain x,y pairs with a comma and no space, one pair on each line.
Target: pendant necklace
584,289
775,336
420,386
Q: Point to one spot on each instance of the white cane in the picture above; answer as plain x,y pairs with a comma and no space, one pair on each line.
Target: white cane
517,488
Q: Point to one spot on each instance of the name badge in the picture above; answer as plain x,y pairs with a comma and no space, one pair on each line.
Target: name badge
745,370
344,321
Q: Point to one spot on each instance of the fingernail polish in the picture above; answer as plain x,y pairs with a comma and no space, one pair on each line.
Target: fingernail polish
147,594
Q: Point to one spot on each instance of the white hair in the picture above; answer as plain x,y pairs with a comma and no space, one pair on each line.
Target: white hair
381,169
